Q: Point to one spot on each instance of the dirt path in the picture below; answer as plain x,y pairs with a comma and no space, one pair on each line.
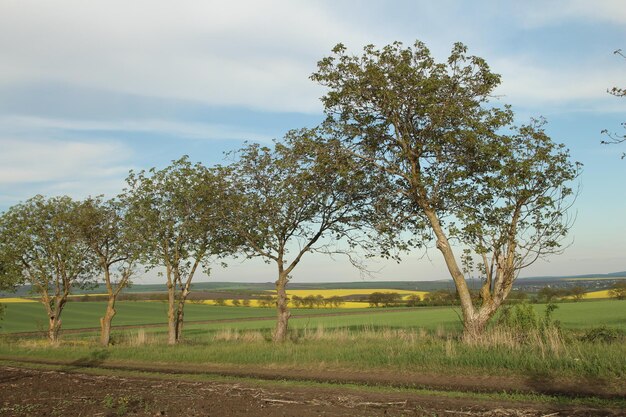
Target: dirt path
35,392
532,384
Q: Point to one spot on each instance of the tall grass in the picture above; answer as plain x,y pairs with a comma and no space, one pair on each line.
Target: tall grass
548,353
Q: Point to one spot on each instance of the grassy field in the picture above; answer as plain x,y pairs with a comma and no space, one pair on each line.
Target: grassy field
28,317
21,317
403,340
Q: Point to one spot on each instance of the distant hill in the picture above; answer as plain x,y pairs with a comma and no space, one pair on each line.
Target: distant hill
621,274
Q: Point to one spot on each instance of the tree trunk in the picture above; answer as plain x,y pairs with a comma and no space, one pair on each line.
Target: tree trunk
471,320
53,328
105,322
282,309
171,315
180,314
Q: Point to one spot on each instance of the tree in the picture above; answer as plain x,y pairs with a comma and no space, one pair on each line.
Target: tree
457,174
618,291
8,281
41,245
290,199
577,293
549,294
177,214
413,300
615,138
104,229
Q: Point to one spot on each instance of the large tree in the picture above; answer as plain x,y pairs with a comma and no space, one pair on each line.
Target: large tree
304,195
41,243
459,169
177,213
105,229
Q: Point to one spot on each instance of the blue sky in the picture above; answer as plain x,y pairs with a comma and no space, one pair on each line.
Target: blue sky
90,90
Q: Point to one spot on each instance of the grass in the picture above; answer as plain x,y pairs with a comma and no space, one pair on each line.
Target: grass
384,349
399,340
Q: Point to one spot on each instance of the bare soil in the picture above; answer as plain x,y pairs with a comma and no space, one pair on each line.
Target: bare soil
36,392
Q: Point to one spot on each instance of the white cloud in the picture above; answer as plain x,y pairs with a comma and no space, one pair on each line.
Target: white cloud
252,53
526,82
177,129
545,13
30,166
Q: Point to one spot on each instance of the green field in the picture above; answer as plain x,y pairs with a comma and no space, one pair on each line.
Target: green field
28,317
419,340
31,317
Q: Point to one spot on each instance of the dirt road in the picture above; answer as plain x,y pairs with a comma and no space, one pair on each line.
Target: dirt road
39,392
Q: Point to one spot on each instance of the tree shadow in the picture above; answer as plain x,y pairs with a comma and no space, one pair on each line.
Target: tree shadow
94,359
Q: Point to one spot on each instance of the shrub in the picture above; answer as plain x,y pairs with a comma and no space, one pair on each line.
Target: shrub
602,334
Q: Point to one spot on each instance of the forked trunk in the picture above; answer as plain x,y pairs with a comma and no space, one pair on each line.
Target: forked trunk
54,328
180,314
105,322
282,310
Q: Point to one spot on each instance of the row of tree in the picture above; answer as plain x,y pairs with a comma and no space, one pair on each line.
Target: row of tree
412,151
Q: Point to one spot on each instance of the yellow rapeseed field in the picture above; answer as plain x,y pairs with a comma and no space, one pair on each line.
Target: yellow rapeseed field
329,293
597,294
16,300
347,292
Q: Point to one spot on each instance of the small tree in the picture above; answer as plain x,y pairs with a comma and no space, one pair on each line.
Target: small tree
618,291
41,244
549,294
105,230
413,300
287,200
177,213
577,293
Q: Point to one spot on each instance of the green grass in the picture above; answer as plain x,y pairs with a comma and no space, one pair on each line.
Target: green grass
388,350
402,340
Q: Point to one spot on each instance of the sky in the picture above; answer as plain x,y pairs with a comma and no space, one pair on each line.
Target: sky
91,90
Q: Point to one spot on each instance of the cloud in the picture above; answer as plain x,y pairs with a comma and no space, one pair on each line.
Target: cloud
173,128
249,53
53,167
544,13
526,82
52,160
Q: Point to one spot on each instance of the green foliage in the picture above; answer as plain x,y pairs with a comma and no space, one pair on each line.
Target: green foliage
104,228
40,244
384,299
305,189
522,319
603,334
429,128
413,300
618,291
177,214
177,217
